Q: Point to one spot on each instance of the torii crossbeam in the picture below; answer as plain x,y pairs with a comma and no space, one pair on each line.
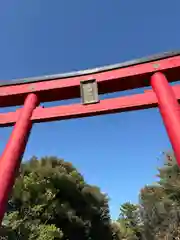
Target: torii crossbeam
156,71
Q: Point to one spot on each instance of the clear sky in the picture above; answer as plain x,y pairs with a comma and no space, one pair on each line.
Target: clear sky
116,152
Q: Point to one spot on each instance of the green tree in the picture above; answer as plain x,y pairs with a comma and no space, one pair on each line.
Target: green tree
51,200
130,222
160,203
157,216
122,232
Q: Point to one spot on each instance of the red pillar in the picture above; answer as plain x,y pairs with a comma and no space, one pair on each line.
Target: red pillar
169,109
11,157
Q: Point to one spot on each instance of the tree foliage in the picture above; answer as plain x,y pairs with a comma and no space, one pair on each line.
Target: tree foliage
157,216
51,200
161,203
129,222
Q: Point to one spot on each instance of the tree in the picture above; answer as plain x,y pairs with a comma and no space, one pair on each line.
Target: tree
160,203
122,232
157,216
129,221
51,200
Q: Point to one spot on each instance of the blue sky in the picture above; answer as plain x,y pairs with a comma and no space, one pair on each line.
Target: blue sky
116,152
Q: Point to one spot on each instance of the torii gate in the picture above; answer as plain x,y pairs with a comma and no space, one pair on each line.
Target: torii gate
154,71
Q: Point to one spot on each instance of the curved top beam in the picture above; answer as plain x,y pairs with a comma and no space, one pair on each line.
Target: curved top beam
119,77
91,71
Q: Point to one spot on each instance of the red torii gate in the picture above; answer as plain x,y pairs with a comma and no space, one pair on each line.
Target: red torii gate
87,84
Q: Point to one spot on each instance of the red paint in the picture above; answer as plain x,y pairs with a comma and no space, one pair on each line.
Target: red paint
109,81
114,105
11,157
169,109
